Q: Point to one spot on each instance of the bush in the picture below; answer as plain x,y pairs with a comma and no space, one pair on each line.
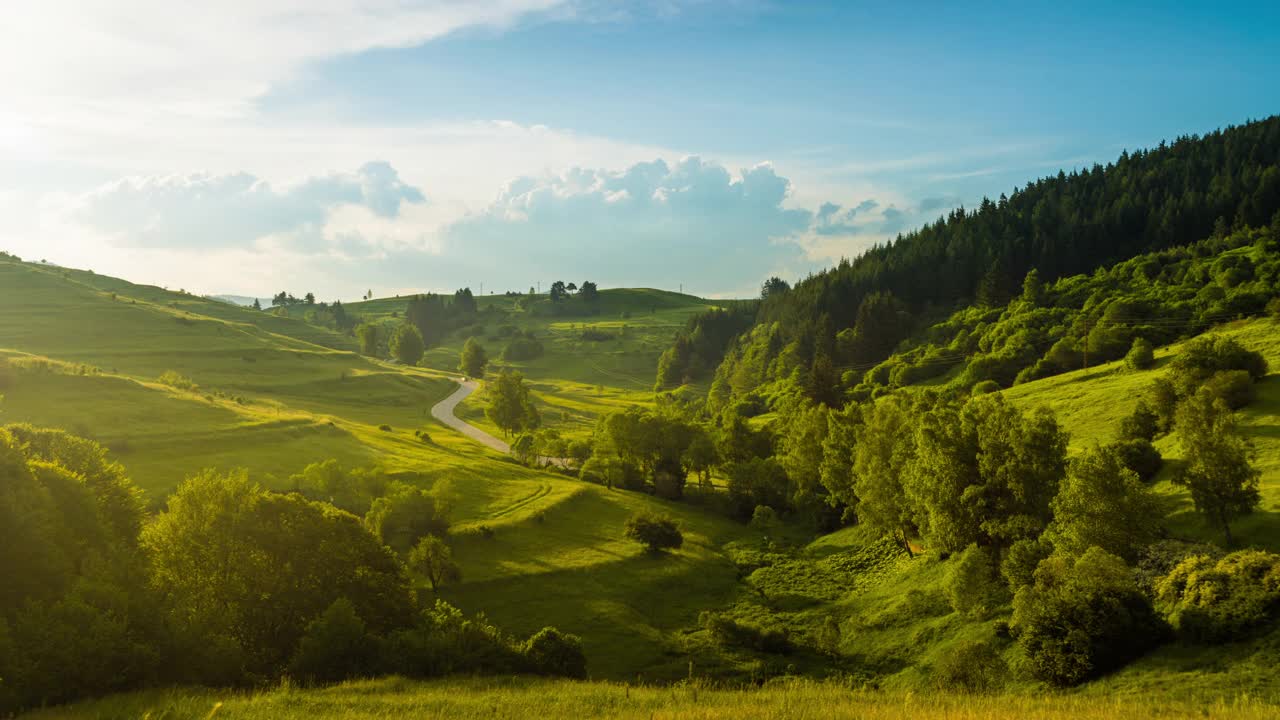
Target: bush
1083,618
986,386
1211,601
1235,387
522,348
1020,562
597,335
177,381
973,667
654,532
1141,355
972,587
335,647
1140,456
552,652
730,633
1142,424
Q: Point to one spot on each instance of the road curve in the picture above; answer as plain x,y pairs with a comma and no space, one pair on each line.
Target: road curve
443,411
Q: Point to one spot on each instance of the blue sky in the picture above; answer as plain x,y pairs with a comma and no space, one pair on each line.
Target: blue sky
410,145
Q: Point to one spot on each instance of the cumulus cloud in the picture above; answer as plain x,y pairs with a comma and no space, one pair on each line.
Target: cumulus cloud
236,210
648,221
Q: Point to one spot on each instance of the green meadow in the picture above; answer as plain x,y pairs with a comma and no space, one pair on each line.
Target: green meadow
527,697
273,394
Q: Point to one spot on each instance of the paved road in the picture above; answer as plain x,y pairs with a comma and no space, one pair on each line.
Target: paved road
443,411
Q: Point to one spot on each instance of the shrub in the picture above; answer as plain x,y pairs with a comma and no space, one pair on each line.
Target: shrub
971,586
177,381
1082,618
384,428
986,386
1158,559
522,348
1235,387
1142,424
335,647
654,532
731,633
972,666
1019,565
1209,354
552,652
1209,600
1140,456
1141,355
597,335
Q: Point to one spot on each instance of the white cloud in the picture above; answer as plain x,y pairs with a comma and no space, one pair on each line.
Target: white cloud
135,58
236,210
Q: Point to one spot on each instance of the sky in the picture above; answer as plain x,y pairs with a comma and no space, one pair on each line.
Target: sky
342,146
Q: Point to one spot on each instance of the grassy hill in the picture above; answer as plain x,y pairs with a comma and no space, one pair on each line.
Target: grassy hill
1091,403
593,363
273,394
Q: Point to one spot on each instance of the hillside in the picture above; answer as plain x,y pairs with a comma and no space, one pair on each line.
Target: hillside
86,353
594,360
855,314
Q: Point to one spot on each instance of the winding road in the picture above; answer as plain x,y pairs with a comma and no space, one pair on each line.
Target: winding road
443,411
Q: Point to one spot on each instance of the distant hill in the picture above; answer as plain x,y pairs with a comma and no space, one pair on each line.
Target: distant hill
243,300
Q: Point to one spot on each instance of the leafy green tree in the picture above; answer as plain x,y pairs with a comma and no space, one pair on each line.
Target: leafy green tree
474,359
552,652
1141,356
1142,424
557,291
757,482
432,559
984,473
406,344
1220,600
656,533
510,406
800,452
1104,504
700,455
367,334
335,646
1083,617
405,515
237,563
588,292
773,286
1222,480
883,449
973,586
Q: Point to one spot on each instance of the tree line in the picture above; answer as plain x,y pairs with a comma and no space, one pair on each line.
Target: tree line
1060,226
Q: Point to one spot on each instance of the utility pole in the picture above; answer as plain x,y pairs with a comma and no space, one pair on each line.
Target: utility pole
1086,345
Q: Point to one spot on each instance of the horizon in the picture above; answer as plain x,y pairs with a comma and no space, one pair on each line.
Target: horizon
405,147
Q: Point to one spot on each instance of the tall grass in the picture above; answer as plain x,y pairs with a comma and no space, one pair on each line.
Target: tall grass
534,698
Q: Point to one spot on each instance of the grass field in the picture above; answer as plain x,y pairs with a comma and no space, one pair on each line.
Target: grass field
273,394
534,698
1091,403
575,380
84,352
